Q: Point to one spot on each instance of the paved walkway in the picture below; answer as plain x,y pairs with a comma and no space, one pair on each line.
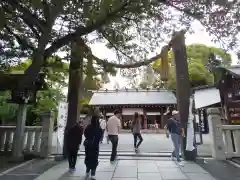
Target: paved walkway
152,143
163,169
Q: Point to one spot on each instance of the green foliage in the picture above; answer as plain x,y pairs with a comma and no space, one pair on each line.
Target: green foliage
7,110
27,27
202,52
47,100
198,55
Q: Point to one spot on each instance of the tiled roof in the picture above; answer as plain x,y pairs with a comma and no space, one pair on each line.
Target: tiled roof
206,97
235,70
133,97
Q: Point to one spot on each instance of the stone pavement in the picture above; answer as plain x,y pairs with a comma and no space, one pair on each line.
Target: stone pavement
221,170
163,169
152,143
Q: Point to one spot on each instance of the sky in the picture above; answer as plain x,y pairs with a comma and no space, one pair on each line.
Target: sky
199,36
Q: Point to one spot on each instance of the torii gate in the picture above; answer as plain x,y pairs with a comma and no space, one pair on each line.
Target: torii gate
177,44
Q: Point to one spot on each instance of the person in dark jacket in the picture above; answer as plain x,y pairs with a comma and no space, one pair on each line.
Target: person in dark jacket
136,130
93,134
74,139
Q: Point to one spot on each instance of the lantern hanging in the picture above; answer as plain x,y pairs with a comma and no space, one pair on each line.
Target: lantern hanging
105,78
164,67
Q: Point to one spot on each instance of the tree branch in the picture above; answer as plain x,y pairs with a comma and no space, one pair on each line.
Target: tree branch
187,12
80,31
24,20
141,63
27,15
22,42
112,44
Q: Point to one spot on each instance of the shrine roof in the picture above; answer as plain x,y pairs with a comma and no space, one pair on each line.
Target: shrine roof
206,97
234,70
132,97
203,87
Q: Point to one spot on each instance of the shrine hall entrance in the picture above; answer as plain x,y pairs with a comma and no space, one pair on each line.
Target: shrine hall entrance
151,105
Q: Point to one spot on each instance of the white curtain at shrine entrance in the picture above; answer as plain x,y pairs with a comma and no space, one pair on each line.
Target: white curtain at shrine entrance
131,111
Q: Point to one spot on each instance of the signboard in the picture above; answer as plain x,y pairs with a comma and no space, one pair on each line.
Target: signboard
234,114
61,122
190,129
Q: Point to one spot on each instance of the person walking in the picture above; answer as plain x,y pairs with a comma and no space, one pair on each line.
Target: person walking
93,134
74,139
175,129
136,130
103,127
113,129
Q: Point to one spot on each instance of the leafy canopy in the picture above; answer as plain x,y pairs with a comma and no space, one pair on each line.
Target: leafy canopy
132,28
198,56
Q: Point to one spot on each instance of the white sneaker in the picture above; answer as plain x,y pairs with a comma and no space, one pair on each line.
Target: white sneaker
87,175
112,162
93,177
180,163
173,158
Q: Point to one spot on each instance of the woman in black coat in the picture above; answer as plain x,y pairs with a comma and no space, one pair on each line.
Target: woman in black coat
93,134
74,139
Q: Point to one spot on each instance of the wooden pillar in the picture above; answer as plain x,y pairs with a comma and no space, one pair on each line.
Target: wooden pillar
162,118
182,80
144,119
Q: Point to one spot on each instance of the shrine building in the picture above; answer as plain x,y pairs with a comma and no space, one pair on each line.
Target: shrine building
228,83
150,104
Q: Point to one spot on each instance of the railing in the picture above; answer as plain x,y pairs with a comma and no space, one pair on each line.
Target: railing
231,139
31,142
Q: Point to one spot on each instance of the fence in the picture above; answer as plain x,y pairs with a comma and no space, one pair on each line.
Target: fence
231,140
31,142
225,138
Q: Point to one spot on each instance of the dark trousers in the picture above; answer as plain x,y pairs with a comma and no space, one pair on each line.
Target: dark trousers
91,159
72,158
93,171
114,141
137,136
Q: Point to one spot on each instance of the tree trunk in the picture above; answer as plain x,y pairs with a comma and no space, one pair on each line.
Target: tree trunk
74,87
182,81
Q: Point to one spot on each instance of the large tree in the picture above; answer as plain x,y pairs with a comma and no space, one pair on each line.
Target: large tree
133,28
198,57
40,28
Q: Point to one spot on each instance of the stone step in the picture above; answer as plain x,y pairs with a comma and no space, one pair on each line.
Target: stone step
108,153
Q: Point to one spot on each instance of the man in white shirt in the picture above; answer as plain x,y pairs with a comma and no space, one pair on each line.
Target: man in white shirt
113,129
103,126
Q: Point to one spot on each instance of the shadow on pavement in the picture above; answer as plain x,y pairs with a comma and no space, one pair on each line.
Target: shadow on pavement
221,170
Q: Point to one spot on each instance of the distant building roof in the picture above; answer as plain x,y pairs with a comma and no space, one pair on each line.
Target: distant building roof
133,97
235,70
